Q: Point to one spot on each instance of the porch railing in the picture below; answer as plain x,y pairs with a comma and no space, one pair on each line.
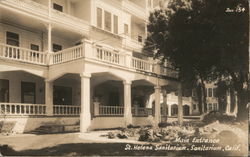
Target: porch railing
109,56
111,110
22,109
68,54
66,109
141,111
141,64
22,54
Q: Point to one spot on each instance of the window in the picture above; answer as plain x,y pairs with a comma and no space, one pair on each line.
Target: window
174,110
57,47
62,95
4,90
107,19
57,7
139,39
12,39
115,23
28,92
194,106
210,107
34,47
215,106
210,92
99,17
126,29
214,92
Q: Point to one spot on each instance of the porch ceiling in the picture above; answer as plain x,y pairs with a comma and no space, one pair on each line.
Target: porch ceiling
21,21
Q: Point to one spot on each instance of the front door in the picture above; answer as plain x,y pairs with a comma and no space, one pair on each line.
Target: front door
28,92
62,95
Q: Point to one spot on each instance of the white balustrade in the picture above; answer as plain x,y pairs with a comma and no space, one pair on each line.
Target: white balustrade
109,56
22,109
111,110
66,109
140,64
22,54
68,54
141,111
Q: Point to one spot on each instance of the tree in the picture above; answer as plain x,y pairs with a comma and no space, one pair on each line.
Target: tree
202,40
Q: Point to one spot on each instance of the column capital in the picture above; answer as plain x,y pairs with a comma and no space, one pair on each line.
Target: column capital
127,82
85,75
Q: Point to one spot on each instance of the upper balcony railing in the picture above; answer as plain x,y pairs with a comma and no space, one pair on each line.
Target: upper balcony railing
22,54
94,53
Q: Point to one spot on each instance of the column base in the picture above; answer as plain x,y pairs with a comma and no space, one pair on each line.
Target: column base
85,122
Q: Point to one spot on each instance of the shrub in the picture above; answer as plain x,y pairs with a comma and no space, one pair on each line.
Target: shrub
162,125
216,115
111,135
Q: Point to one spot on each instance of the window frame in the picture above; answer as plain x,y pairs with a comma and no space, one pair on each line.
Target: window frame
8,38
57,7
107,23
55,49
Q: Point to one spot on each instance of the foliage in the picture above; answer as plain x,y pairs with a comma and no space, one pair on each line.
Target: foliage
203,41
215,115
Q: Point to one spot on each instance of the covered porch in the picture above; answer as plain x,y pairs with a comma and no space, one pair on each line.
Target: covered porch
97,100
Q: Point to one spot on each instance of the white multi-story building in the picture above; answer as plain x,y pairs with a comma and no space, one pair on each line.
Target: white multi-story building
62,61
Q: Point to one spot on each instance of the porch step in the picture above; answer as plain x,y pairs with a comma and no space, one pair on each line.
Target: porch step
52,129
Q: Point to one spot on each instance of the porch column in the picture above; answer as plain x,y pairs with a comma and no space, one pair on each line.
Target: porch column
169,110
180,106
157,104
49,97
127,103
49,37
85,117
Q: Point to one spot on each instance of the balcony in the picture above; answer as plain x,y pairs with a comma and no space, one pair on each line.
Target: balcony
70,21
41,12
28,6
87,51
22,54
134,9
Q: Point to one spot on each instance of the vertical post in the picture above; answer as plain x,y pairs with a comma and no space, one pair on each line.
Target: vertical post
180,106
136,110
49,97
96,105
228,108
157,104
49,28
169,110
127,103
85,116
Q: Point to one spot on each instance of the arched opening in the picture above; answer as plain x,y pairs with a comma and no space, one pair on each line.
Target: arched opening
186,110
174,110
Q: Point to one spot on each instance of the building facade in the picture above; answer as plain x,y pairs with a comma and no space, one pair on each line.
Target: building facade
65,61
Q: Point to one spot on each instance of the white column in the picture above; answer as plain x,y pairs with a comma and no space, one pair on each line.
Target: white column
68,7
180,106
49,37
169,110
127,103
157,104
85,117
49,97
228,108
